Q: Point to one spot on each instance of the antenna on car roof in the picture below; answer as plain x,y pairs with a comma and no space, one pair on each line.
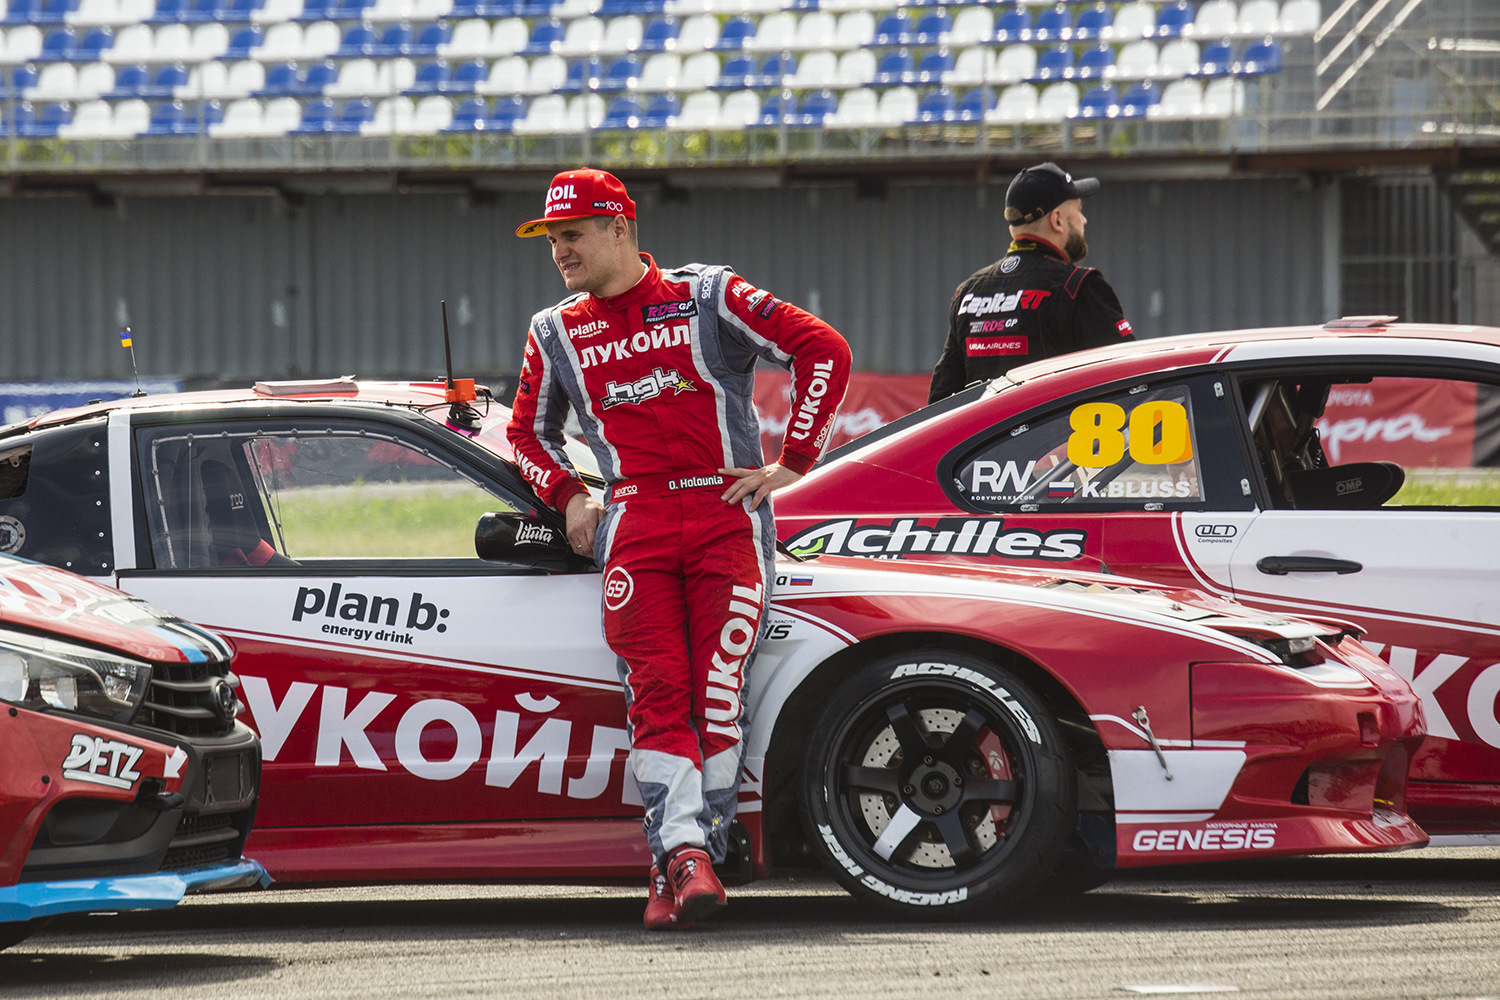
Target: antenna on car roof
127,341
460,392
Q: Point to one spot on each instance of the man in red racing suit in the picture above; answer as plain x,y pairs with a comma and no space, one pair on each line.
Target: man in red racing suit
660,368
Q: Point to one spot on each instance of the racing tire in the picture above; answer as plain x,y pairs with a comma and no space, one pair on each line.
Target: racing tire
936,783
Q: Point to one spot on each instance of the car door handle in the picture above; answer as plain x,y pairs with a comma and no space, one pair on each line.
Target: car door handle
1282,565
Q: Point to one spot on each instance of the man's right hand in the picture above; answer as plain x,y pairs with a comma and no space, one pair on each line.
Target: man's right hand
584,514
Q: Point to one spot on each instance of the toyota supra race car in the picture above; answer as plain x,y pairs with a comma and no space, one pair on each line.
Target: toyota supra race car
1351,470
125,780
423,661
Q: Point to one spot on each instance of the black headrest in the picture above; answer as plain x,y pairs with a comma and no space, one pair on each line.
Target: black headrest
1355,486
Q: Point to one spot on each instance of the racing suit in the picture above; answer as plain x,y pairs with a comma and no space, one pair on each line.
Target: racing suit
661,377
1028,305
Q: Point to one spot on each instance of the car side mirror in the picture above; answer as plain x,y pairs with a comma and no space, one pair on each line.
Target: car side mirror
524,541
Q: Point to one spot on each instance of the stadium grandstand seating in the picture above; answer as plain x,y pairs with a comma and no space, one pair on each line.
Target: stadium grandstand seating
113,69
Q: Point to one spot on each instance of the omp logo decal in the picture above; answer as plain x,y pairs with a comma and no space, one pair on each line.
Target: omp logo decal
1219,837
618,586
420,616
977,679
102,762
885,889
976,536
650,387
341,730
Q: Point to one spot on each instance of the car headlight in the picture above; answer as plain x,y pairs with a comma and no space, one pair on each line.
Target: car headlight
39,672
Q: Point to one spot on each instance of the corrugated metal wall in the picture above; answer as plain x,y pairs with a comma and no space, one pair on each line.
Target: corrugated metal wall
241,287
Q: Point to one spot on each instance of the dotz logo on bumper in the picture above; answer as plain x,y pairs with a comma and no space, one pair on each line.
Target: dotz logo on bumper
359,609
99,761
973,536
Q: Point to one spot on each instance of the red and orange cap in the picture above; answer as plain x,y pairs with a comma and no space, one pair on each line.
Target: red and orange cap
579,194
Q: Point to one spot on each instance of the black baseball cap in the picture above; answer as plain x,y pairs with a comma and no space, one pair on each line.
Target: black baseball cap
1037,190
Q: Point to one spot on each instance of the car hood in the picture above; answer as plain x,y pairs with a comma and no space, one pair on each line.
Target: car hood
39,599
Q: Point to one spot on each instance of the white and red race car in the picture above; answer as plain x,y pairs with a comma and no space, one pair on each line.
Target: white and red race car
1349,470
944,740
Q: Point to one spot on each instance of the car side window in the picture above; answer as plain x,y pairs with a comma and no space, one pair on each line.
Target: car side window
1361,441
1144,447
284,497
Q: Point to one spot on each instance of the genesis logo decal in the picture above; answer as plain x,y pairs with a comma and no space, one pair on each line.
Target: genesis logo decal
618,586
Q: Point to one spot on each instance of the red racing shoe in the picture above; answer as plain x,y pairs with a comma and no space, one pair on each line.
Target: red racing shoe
690,875
661,906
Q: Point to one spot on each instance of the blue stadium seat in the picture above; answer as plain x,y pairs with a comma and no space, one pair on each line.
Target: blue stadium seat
735,33
318,76
54,11
529,8
1097,102
975,103
169,11
1095,61
22,12
167,118
21,77
893,29
1216,59
395,40
282,80
58,45
1260,57
775,70
319,116
933,66
44,124
243,41
165,82
21,119
1014,25
737,74
660,112
1139,100
313,10
779,108
94,44
130,81
583,74
938,106
357,111
432,78
506,112
1171,19
624,112
199,11
429,38
1052,24
1055,64
469,74
239,11
358,41
658,33
545,37
470,116
931,28
894,67
819,106
620,74
1092,21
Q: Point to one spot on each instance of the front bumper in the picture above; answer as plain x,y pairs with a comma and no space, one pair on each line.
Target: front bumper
159,891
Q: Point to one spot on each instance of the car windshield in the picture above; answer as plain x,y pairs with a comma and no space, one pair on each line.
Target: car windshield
926,413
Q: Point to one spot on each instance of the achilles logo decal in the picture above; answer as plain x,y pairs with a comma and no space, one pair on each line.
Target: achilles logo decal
618,586
650,387
975,536
102,762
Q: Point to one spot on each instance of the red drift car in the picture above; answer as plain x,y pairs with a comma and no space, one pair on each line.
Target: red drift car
125,781
943,740
1350,470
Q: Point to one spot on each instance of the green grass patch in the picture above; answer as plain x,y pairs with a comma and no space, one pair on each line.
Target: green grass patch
406,521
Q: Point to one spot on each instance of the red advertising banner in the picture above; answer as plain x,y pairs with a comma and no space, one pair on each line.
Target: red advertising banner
1416,422
871,402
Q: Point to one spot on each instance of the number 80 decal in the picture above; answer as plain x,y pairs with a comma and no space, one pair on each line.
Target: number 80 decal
1099,438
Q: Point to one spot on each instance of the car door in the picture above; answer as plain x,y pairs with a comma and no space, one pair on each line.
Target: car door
392,675
1384,508
1109,473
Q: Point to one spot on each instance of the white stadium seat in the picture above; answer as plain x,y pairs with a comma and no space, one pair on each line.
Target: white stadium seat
321,40
816,70
1300,17
245,78
1216,19
856,68
1017,103
509,36
775,33
698,71
739,109
357,78
507,76
281,42
92,13
242,118
818,29
1133,20
1259,18
972,26
205,80
698,32
393,76
92,120
210,41
1137,60
282,115
1181,99
1057,102
857,109
278,12
392,115
545,114
1178,58
432,115
547,74
470,40
23,43
1224,97
856,28
700,110
1013,64
582,37
898,105
172,43
55,82
660,73
622,34
972,67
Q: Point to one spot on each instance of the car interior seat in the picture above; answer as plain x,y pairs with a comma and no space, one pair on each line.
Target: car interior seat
235,537
1352,486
